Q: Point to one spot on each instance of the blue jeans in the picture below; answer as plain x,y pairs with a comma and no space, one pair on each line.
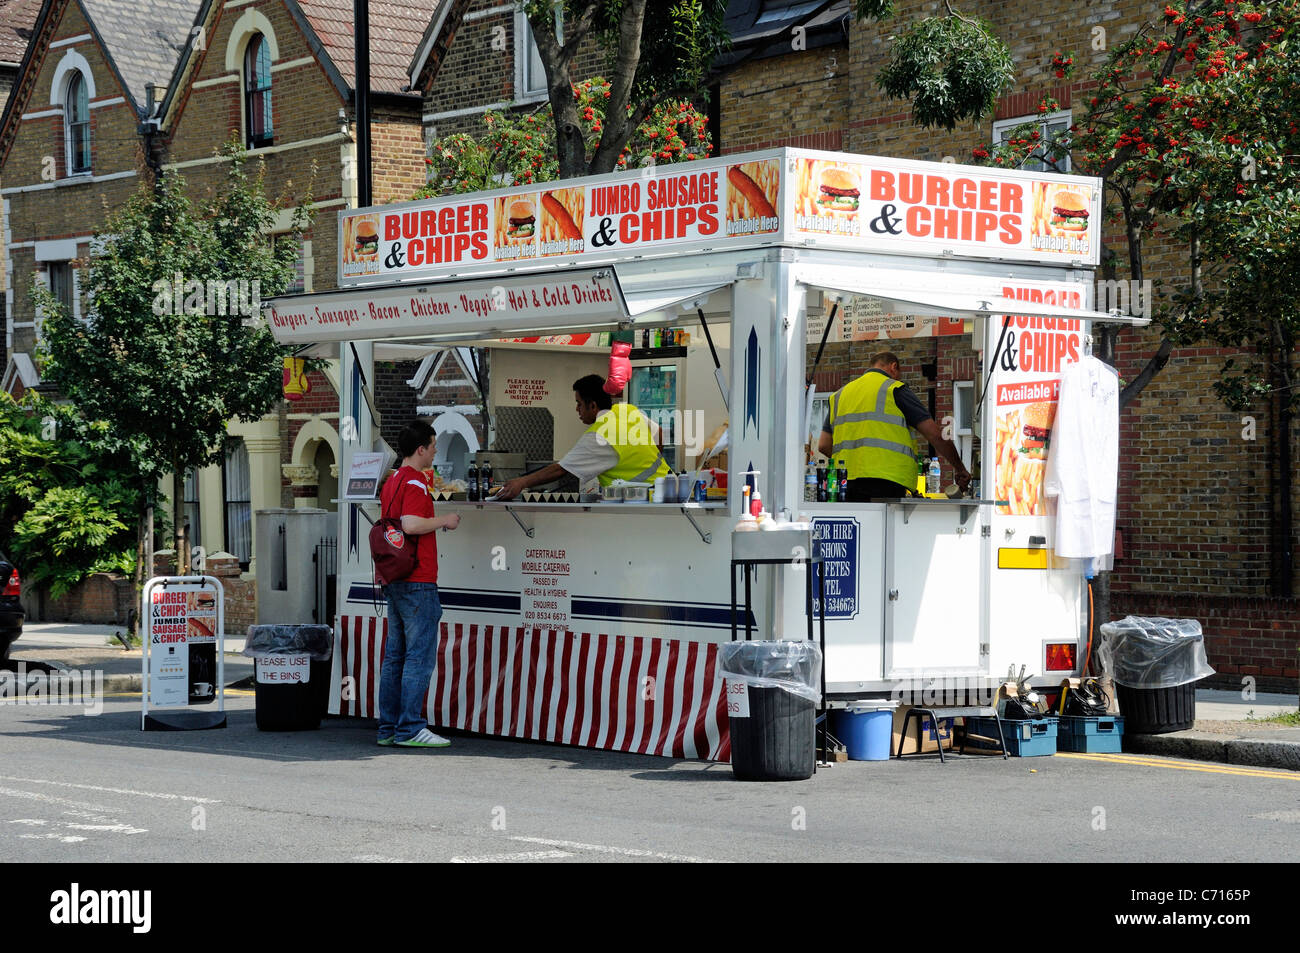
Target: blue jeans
414,611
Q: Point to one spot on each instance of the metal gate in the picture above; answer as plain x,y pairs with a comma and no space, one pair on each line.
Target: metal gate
326,559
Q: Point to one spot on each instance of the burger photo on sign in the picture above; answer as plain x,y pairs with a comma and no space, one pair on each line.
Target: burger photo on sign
1069,212
365,241
522,221
838,191
1036,435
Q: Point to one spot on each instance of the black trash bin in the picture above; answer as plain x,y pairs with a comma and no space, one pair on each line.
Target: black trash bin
775,740
1155,664
284,701
1156,711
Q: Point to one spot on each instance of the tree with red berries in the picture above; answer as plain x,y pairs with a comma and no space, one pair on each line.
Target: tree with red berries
1193,126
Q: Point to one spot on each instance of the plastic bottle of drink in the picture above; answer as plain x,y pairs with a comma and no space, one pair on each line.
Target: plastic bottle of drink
822,492
932,477
832,483
810,483
843,471
471,483
485,480
645,338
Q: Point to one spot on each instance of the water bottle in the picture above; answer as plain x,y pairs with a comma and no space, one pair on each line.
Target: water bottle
471,483
843,471
932,477
810,483
832,483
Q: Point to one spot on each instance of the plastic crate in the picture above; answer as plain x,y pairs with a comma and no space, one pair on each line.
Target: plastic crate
1032,738
1090,735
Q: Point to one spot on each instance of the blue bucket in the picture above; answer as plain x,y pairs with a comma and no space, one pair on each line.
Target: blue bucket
866,733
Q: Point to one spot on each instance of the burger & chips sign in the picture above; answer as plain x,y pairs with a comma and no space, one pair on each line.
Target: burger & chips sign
779,196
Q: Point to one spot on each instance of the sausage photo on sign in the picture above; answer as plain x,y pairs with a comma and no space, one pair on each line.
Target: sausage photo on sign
752,191
562,215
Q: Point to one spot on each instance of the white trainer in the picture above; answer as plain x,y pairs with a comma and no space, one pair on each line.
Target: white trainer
425,739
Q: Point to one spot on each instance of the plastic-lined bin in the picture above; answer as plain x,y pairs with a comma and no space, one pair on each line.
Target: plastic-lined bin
1099,734
773,689
1030,738
1155,664
292,674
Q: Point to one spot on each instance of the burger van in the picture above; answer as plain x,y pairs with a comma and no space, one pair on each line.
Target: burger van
597,623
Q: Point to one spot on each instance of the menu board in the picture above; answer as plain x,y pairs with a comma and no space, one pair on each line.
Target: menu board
179,616
866,320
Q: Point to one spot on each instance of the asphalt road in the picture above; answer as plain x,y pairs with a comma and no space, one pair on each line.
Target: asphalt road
89,789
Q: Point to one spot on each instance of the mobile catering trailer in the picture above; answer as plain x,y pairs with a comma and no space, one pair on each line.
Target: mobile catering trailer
597,624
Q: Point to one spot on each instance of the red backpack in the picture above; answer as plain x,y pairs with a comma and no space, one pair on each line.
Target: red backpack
393,552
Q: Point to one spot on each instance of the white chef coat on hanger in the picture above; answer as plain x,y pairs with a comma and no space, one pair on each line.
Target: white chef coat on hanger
1083,459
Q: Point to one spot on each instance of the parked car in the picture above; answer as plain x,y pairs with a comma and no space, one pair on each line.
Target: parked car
11,612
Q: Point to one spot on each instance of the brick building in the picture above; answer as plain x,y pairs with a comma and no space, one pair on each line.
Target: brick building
103,82
17,17
1197,509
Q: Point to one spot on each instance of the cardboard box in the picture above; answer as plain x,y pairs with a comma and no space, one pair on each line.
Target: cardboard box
930,737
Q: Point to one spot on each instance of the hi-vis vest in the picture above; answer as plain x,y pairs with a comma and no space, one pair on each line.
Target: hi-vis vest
627,430
869,432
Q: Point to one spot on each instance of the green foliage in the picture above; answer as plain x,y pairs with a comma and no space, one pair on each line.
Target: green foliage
68,494
518,148
952,67
160,358
873,9
679,39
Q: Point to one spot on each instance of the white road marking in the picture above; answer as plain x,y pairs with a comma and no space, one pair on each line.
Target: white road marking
378,859
94,787
87,816
62,838
51,799
1290,817
113,825
115,828
522,856
621,851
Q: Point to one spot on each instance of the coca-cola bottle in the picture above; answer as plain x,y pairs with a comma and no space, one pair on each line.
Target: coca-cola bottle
471,483
485,478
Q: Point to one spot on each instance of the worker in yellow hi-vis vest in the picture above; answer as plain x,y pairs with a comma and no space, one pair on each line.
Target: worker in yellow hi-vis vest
867,429
620,443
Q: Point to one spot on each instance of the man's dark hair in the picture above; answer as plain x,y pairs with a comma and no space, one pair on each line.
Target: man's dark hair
591,390
414,435
884,359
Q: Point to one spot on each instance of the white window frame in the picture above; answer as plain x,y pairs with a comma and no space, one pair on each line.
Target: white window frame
68,107
1003,126
250,22
525,48
963,437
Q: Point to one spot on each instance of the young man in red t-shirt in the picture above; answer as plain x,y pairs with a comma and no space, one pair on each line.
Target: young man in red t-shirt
414,610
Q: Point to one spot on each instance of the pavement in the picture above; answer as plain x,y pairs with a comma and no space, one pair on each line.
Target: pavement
1228,727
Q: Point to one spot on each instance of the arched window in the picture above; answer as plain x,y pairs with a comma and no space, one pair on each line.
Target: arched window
77,117
257,93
